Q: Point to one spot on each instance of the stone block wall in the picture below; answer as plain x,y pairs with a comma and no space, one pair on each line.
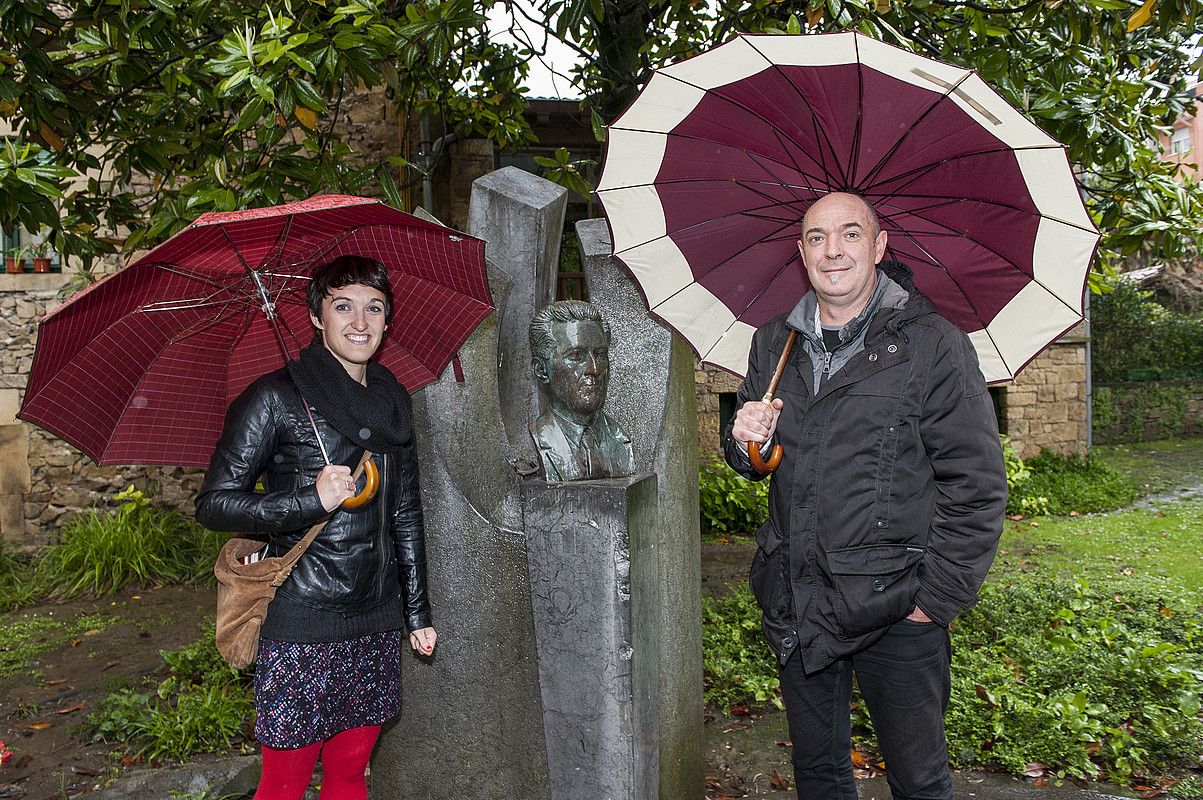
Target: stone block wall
710,383
1143,412
1045,406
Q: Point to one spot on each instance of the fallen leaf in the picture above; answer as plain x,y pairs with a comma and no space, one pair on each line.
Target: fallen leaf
1015,517
1040,783
93,632
136,597
85,771
779,782
109,665
76,642
55,682
984,696
860,759
1073,513
1035,769
71,710
39,726
1166,611
1034,524
738,725
783,743
741,710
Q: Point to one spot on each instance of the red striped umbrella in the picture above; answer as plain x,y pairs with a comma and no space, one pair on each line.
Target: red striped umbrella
141,367
709,172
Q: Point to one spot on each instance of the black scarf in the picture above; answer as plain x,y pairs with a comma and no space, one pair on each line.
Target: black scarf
376,417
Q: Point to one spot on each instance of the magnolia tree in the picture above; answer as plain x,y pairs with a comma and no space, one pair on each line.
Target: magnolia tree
141,114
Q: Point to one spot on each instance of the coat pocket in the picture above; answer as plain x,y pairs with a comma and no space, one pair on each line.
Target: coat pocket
768,577
875,585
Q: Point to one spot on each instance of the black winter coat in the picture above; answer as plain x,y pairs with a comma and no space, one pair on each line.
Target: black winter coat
892,489
366,564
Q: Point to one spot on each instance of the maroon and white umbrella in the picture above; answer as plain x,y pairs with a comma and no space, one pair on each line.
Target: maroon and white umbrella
709,172
141,367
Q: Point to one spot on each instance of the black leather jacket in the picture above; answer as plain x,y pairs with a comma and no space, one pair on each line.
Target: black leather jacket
363,559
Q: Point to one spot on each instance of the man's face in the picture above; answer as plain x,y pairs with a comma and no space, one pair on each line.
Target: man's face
841,252
579,369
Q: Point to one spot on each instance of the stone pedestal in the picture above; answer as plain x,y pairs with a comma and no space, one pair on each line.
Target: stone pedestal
593,562
652,396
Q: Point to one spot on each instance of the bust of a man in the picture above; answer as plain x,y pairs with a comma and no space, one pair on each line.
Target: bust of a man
570,355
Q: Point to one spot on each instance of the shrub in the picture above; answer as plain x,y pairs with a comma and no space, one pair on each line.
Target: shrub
202,706
728,502
1019,501
1135,338
1089,681
101,552
1060,484
738,665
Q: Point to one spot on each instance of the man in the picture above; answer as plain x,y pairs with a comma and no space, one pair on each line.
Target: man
570,355
885,512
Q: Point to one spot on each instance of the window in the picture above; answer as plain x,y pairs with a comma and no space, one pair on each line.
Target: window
26,242
1180,141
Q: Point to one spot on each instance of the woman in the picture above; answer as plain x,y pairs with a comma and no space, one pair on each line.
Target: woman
328,667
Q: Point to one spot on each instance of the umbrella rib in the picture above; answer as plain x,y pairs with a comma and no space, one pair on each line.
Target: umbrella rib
175,269
277,251
854,156
940,98
952,233
819,131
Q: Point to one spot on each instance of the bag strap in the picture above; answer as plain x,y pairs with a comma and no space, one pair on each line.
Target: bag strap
289,559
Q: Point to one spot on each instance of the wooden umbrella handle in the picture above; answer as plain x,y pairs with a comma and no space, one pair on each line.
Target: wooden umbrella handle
759,464
370,487
776,451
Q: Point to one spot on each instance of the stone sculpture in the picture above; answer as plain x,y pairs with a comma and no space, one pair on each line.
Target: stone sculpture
570,355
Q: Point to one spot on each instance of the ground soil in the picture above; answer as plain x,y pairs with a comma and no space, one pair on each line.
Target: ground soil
43,705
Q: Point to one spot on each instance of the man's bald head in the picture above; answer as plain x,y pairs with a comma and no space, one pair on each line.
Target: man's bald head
870,212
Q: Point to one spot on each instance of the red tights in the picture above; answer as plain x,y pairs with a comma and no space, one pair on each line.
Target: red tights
286,773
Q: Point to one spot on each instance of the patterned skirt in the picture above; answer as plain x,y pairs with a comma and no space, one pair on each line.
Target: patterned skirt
305,693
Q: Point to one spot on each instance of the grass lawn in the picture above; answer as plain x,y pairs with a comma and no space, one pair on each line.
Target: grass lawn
1162,538
1157,466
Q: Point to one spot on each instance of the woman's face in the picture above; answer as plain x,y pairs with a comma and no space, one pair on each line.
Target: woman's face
352,324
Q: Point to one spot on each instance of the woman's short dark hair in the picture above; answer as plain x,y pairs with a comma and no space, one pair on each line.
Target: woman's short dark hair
344,271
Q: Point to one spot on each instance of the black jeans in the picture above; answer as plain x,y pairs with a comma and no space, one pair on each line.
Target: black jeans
904,678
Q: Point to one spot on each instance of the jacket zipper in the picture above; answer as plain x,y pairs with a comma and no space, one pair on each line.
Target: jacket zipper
382,539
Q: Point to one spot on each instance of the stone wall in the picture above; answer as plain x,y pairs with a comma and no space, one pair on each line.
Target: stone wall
1143,412
1045,407
711,382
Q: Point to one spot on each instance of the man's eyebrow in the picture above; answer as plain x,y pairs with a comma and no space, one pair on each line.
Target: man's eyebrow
845,226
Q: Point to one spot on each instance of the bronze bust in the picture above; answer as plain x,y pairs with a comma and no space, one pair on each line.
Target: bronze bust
570,355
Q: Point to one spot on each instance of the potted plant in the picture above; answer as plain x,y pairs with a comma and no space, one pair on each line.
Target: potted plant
40,253
14,259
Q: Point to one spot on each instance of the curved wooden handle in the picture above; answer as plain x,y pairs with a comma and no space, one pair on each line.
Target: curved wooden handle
759,464
371,485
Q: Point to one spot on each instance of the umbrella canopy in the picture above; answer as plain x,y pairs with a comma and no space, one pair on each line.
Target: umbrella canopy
141,367
709,172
